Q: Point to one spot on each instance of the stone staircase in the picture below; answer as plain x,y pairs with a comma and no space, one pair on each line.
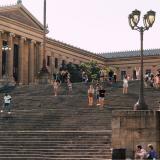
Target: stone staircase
115,100
45,127
44,145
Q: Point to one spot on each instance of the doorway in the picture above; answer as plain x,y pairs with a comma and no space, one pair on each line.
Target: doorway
123,74
134,75
4,59
15,62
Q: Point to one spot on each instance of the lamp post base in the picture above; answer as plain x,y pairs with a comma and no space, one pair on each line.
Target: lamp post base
140,106
44,76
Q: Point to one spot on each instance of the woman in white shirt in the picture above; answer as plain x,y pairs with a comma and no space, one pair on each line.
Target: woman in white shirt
125,85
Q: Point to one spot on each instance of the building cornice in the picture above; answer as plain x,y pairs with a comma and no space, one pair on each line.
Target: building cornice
76,49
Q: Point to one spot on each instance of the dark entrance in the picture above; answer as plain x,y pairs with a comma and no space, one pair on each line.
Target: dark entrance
134,74
15,62
148,71
123,74
110,74
4,59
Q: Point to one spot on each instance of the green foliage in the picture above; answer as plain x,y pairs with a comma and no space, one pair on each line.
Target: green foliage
91,68
74,71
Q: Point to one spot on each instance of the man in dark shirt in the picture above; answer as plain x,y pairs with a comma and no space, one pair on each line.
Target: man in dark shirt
101,96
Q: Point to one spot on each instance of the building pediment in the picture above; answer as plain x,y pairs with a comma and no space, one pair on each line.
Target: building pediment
20,14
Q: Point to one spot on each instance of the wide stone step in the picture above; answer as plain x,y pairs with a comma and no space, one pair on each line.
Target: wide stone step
55,145
43,158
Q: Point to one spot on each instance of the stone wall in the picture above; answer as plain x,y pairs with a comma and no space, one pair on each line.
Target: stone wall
130,128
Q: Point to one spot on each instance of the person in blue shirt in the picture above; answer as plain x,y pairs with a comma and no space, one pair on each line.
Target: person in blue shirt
152,155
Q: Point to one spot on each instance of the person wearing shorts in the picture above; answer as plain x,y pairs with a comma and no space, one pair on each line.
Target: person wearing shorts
101,96
7,103
90,95
125,85
55,87
97,93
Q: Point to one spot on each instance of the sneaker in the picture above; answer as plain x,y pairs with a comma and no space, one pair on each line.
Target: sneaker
1,111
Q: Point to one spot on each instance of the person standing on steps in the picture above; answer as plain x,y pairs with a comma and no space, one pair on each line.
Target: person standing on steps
97,93
90,95
102,92
55,87
7,103
125,85
69,84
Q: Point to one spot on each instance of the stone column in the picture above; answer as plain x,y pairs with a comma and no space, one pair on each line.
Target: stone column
40,56
67,60
60,61
10,56
52,65
21,60
153,69
129,72
1,44
31,62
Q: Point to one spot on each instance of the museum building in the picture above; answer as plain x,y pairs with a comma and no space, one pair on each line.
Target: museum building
21,50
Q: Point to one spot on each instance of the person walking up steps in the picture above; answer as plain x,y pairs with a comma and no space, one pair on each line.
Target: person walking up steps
7,103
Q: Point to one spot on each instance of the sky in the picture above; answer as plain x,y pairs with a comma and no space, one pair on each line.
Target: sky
99,26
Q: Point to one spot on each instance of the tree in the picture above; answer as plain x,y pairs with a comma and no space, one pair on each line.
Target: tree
91,68
74,71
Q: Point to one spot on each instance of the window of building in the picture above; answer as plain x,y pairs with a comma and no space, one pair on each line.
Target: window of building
56,62
48,60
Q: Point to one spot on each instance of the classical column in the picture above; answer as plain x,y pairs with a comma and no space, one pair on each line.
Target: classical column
31,62
60,61
1,42
52,64
10,56
21,60
40,56
129,73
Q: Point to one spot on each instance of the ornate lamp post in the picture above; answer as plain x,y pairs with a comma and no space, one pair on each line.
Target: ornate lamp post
148,21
